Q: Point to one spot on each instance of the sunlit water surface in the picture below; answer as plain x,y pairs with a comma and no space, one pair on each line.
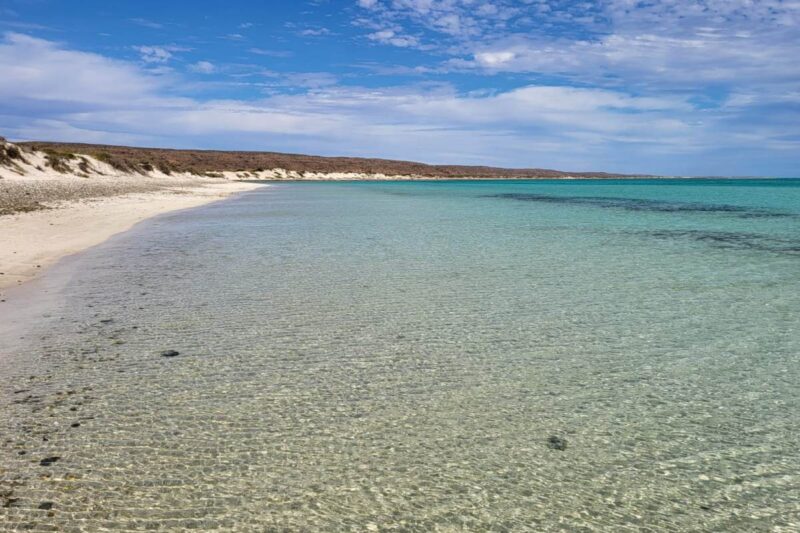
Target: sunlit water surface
482,356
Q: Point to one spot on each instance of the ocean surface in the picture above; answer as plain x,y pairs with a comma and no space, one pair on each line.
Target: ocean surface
418,356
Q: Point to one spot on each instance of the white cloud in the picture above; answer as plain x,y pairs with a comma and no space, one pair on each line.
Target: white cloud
571,110
689,45
315,32
648,59
57,93
159,54
203,67
147,23
270,53
154,54
388,36
35,69
458,19
494,59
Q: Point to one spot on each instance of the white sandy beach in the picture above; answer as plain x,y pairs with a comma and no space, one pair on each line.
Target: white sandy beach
31,241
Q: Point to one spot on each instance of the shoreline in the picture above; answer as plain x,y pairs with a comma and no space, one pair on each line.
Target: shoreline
30,242
54,203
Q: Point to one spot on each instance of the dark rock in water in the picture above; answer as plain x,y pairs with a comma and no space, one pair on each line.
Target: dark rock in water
75,425
554,442
6,498
46,506
107,321
21,452
170,353
47,461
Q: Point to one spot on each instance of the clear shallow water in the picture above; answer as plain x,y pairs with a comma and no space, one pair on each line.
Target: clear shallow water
395,356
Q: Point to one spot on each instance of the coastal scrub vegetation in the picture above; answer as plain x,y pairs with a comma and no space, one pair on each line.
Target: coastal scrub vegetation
201,162
58,160
126,164
10,155
112,161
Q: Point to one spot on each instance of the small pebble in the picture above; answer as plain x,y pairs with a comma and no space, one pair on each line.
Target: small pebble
170,353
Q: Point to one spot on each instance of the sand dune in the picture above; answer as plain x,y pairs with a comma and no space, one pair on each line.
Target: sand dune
275,165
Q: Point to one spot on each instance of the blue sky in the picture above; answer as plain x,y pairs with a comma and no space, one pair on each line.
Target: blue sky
684,87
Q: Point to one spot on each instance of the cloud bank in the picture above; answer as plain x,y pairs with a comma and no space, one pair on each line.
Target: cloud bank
50,91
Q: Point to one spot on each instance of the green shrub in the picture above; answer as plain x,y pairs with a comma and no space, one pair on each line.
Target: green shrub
13,152
10,155
58,160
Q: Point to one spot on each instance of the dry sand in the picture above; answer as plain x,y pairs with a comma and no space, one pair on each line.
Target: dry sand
49,214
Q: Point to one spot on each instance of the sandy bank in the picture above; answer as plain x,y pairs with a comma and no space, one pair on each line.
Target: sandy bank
29,242
47,214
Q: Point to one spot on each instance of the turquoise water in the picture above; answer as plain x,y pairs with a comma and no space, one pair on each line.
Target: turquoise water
448,356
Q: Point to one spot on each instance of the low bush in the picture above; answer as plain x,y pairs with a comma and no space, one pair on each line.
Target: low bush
13,152
58,161
113,162
10,155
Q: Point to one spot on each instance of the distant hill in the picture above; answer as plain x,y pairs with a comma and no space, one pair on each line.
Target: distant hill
204,161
